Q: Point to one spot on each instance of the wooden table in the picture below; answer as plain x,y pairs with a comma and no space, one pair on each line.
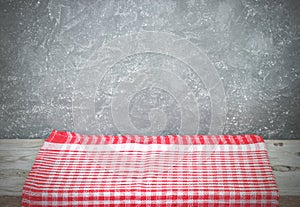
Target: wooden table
18,155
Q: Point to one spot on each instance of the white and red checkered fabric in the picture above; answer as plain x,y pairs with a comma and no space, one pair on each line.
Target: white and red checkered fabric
76,170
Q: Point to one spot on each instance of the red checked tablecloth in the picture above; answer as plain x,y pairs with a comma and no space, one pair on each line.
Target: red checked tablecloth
77,170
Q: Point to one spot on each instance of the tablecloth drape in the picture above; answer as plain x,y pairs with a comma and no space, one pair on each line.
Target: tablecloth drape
80,170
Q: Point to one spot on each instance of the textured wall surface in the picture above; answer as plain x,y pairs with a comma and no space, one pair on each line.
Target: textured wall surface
150,67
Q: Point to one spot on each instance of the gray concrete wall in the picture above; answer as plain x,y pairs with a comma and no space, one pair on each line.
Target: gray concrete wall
218,67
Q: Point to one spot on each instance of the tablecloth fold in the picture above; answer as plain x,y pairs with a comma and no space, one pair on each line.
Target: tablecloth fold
199,170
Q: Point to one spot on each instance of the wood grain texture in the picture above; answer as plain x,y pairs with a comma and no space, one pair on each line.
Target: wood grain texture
284,156
18,155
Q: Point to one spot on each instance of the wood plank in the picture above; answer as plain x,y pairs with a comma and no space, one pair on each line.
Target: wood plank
284,156
18,155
